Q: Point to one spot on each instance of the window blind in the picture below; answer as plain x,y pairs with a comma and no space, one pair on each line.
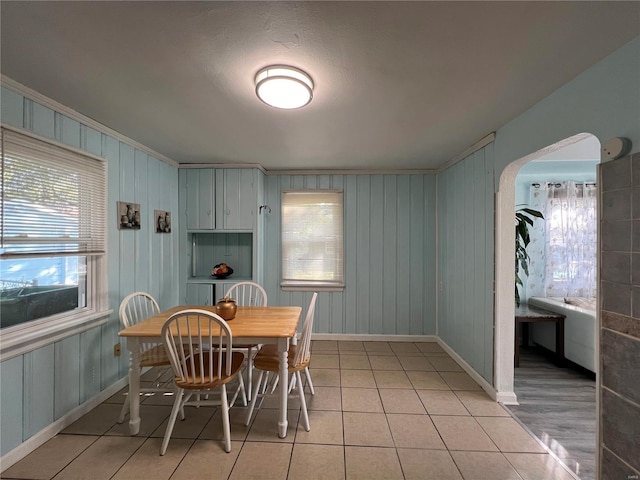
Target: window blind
312,238
53,199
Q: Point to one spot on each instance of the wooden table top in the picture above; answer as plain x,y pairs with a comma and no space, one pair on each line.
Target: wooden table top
266,322
526,311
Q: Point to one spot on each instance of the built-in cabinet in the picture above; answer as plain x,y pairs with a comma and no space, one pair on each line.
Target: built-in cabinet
223,223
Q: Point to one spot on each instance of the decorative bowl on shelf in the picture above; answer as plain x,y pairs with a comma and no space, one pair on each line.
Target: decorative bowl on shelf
222,270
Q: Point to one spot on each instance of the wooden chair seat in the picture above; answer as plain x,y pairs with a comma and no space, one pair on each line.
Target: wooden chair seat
268,359
201,381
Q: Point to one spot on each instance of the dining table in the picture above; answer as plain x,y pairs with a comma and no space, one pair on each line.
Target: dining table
257,325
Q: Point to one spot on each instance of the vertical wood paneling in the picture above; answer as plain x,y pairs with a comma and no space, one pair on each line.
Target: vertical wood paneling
67,130
350,199
389,262
465,252
67,375
38,388
127,238
12,401
43,120
141,237
404,261
91,140
376,253
430,252
417,254
11,107
363,255
91,355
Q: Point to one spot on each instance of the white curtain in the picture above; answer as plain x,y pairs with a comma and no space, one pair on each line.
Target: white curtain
563,245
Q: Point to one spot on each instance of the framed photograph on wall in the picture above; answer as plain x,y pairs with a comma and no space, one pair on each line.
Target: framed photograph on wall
162,221
128,216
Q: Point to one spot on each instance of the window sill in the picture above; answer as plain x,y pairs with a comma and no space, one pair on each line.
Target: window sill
19,341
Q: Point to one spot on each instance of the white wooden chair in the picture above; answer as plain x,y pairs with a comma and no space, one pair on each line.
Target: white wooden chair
134,308
200,348
248,294
267,360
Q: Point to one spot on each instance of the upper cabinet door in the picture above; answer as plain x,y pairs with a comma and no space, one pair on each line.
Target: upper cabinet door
200,197
236,200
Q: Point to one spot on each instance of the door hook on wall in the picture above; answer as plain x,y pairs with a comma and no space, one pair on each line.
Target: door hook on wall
266,207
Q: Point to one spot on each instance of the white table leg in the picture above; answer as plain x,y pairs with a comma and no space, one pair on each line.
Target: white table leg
134,385
283,347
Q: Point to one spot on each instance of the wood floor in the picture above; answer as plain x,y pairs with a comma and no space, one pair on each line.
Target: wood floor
559,406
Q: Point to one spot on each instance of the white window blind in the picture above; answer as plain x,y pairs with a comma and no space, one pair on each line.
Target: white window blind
53,199
312,238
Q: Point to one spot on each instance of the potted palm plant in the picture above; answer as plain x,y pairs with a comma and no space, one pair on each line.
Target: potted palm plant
524,220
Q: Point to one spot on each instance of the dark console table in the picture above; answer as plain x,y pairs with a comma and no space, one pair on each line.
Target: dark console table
526,314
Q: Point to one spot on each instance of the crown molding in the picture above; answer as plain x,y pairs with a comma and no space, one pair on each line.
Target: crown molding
472,149
71,113
351,172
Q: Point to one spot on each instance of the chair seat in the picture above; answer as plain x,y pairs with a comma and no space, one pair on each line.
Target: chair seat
154,357
204,379
268,359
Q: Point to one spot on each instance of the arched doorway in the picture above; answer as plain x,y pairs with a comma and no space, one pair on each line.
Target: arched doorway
505,251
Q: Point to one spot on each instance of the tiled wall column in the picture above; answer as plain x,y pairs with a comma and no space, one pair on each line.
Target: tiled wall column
619,415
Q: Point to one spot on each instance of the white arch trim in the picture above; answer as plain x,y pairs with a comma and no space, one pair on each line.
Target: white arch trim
505,276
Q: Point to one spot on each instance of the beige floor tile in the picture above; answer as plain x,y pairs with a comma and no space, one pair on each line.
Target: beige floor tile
535,466
361,400
351,346
324,346
366,429
258,458
357,378
147,462
427,380
463,433
207,459
326,428
195,419
355,362
384,362
430,347
428,465
321,462
325,377
51,457
102,459
326,398
459,381
118,397
98,421
414,431
324,360
420,363
151,416
212,429
509,436
378,347
404,348
442,402
396,400
480,404
158,398
391,379
484,466
445,364
367,463
264,427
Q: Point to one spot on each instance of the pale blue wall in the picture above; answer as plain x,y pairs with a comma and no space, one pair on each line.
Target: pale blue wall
43,385
389,254
605,101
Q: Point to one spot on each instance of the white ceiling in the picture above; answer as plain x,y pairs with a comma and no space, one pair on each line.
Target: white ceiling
399,85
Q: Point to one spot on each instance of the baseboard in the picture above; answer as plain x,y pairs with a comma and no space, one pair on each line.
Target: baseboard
50,431
365,337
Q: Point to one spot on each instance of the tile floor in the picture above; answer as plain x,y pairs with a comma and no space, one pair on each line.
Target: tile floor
381,411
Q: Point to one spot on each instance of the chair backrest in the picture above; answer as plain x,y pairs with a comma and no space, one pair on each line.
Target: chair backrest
136,307
198,341
303,349
248,294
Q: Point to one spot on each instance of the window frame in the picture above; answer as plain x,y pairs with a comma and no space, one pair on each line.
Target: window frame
303,284
28,336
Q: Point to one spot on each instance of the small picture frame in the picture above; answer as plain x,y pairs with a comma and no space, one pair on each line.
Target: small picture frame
162,220
128,216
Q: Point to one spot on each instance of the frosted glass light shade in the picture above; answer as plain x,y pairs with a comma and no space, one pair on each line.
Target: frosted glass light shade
284,87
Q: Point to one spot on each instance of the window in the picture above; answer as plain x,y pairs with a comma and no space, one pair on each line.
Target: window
52,232
312,239
566,240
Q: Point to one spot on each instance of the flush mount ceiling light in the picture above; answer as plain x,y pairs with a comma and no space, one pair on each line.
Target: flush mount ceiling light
284,87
